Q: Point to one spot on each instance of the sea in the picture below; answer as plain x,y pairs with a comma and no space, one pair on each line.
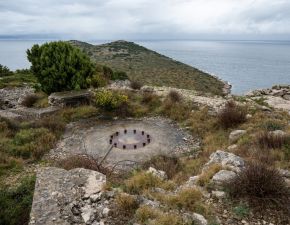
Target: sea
246,65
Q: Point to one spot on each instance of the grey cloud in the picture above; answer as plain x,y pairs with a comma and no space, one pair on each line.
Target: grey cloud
139,19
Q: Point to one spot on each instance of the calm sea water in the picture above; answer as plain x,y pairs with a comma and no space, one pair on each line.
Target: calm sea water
247,65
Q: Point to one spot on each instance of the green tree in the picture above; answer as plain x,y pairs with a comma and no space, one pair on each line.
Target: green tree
5,71
59,66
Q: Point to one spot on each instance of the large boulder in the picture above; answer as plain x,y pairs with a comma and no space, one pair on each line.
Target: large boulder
223,176
67,197
70,98
236,135
226,159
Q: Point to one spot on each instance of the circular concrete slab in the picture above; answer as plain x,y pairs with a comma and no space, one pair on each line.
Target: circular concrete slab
92,137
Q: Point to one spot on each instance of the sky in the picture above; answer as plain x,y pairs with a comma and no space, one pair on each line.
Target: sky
145,19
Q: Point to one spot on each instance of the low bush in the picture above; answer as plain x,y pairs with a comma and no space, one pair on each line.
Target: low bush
109,100
169,164
119,75
29,100
126,204
259,185
5,71
136,85
32,142
174,96
15,203
73,114
232,115
271,140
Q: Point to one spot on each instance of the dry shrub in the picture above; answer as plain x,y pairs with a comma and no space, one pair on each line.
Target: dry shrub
136,85
45,142
169,164
174,96
232,115
82,161
270,140
260,185
126,204
29,100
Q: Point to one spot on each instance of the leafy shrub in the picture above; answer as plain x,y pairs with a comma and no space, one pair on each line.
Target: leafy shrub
5,71
174,96
136,85
15,203
271,140
109,100
170,164
119,75
259,184
59,66
29,100
232,115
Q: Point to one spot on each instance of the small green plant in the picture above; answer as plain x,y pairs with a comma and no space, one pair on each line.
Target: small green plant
15,203
241,211
5,71
109,100
119,75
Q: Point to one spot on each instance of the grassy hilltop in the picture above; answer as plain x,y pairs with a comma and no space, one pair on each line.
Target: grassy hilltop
149,67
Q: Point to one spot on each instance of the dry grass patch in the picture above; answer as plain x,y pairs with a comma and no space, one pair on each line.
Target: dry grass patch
207,174
142,181
169,164
270,140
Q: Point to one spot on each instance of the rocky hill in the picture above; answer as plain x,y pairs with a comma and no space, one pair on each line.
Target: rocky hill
151,68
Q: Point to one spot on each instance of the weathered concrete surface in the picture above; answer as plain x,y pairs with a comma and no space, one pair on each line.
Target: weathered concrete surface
29,113
92,137
70,98
65,197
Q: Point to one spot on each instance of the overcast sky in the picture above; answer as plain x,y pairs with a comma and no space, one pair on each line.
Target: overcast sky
146,19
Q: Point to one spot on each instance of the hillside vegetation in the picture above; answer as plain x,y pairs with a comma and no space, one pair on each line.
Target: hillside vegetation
149,67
